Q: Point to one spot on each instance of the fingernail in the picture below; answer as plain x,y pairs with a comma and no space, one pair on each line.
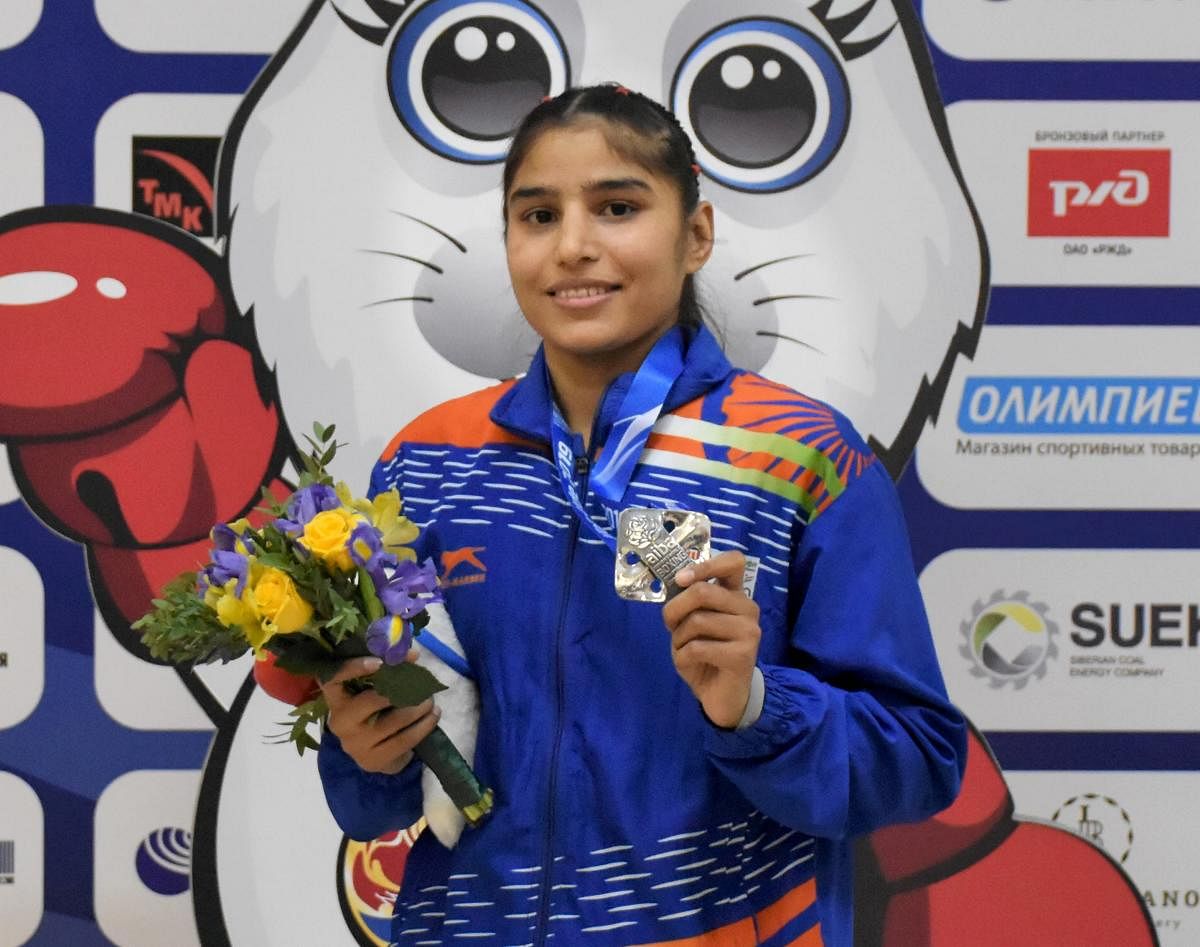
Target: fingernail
372,664
684,576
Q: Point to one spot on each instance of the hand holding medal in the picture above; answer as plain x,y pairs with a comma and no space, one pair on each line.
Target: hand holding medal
714,635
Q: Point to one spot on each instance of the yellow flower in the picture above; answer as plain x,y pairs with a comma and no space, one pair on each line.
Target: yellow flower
230,609
280,608
396,530
326,536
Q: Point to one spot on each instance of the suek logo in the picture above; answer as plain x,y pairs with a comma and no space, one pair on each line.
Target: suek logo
8,862
1099,819
1099,192
1009,639
172,180
463,567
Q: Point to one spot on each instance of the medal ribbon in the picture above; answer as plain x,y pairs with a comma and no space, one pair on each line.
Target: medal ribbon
640,408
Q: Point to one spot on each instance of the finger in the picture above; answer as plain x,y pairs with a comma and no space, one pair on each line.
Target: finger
355,667
708,625
399,744
392,720
727,568
706,652
706,596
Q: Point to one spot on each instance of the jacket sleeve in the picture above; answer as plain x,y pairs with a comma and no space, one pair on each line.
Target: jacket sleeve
856,731
368,805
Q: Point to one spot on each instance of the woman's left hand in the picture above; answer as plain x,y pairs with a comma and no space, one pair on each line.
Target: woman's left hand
714,635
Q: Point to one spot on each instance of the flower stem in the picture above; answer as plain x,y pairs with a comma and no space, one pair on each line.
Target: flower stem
437,752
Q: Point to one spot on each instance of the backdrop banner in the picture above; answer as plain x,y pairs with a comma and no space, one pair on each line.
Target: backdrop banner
971,225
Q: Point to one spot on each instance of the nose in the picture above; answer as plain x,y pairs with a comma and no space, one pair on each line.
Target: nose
576,237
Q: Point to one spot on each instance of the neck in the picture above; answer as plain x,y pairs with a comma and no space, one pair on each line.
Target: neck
580,381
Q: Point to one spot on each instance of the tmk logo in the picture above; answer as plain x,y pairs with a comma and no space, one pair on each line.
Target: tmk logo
1099,192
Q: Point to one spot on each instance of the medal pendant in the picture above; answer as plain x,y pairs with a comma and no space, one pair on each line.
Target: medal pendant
653,545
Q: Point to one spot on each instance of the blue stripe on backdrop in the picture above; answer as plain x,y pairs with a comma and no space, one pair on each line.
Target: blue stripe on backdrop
90,73
1094,305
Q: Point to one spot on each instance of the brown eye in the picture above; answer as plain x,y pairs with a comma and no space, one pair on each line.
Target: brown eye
620,209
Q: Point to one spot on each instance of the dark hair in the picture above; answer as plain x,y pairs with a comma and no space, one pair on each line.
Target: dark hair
638,129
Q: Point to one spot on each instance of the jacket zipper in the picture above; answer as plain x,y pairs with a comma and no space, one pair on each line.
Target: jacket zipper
582,469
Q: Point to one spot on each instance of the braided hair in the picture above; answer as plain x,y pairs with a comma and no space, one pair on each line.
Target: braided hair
639,130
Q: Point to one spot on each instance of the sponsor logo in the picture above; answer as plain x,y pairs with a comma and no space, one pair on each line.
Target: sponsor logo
369,877
3,659
1099,819
1080,405
173,180
463,567
164,860
8,861
1099,192
1009,639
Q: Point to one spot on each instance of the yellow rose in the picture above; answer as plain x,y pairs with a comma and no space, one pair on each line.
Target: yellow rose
230,609
279,606
326,535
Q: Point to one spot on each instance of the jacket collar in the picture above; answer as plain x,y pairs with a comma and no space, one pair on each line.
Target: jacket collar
525,408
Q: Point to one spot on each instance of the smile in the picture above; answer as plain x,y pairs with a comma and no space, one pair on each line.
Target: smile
583,292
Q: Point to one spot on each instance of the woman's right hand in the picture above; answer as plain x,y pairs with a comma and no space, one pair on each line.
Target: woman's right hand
377,736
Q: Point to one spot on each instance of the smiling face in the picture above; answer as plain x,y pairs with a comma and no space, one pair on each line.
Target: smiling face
598,248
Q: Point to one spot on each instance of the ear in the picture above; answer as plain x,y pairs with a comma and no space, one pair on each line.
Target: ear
699,237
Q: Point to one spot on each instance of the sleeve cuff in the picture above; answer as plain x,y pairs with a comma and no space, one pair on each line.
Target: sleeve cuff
774,717
754,705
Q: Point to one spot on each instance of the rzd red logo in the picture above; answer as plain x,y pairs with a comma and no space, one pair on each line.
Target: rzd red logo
1099,193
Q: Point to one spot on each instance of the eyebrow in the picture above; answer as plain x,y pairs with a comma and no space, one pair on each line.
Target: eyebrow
589,187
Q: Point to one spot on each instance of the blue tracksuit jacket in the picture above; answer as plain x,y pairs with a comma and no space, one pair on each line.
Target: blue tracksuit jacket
622,816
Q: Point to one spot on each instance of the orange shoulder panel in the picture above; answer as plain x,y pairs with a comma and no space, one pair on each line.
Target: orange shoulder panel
463,422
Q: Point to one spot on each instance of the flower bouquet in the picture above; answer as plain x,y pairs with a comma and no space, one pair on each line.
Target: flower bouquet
328,577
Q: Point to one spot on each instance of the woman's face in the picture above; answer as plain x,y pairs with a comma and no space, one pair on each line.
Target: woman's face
598,248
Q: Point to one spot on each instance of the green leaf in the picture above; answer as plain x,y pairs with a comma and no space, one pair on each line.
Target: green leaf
301,654
405,685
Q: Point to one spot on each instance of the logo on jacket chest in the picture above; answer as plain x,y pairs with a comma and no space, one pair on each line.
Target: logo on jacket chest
463,567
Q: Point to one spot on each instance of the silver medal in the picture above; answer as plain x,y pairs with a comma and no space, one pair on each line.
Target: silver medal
653,545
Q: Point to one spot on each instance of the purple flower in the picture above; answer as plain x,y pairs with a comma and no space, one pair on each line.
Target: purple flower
306,503
366,549
389,638
227,565
410,589
226,539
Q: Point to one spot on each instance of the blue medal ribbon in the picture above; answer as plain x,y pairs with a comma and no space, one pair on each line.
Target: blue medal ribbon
640,409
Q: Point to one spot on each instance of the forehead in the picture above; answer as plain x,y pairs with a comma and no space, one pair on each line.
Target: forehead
573,157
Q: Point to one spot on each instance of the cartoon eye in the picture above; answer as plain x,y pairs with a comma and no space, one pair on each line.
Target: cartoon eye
463,73
765,101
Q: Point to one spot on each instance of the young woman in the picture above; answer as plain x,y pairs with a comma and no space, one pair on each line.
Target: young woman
689,773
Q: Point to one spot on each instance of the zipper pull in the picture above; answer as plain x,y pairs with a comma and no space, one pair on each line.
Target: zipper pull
581,465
